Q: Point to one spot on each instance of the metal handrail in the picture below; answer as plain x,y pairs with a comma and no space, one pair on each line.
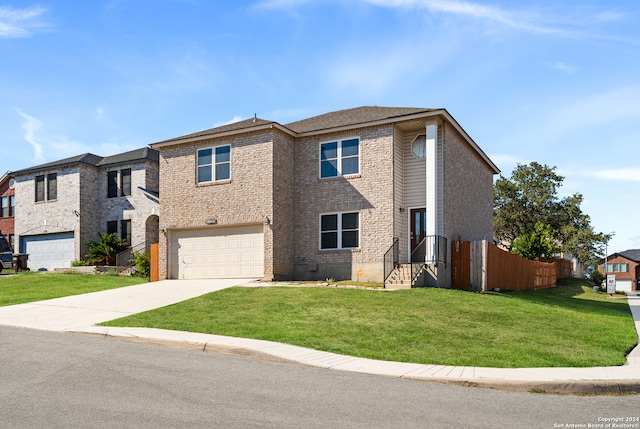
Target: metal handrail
125,258
438,246
391,258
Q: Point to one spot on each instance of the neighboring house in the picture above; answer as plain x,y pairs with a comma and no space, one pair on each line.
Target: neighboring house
325,197
625,266
7,207
64,204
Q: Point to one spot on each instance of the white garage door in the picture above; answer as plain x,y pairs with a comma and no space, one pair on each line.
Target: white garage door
235,252
49,251
623,285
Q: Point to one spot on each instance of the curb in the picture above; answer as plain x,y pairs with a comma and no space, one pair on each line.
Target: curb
560,387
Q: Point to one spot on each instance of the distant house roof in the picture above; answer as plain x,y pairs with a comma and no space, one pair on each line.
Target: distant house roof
90,159
631,254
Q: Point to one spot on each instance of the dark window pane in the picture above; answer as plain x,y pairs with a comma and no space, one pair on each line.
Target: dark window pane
39,188
204,174
350,147
204,156
329,240
223,171
328,150
223,154
350,221
329,168
350,166
52,186
125,181
112,227
12,205
112,184
125,230
349,239
5,207
329,223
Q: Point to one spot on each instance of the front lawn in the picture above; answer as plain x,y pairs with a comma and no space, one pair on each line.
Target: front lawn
568,326
29,287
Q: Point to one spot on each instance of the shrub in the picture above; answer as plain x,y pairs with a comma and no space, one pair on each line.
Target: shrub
143,263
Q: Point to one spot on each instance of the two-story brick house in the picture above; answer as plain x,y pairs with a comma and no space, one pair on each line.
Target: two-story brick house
324,197
625,266
64,204
7,207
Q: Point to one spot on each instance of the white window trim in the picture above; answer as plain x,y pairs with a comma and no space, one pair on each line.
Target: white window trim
213,165
339,230
339,157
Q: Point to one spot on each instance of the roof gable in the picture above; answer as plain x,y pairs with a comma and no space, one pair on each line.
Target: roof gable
631,254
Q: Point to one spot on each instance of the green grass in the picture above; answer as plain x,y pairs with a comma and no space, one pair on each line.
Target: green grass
29,287
568,326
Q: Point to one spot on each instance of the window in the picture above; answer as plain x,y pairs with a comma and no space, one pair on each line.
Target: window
125,230
340,231
11,241
52,186
615,268
624,268
125,182
112,227
5,207
112,184
214,164
339,158
419,146
39,188
12,205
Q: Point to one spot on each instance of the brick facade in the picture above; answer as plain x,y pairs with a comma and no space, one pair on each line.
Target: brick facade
275,182
634,269
82,206
7,223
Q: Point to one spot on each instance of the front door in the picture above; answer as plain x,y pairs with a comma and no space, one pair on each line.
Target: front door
418,221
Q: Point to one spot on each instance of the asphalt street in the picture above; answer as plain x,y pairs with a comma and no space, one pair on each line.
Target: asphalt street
63,380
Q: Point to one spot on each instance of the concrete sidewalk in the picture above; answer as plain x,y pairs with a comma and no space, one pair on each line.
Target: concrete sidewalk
81,313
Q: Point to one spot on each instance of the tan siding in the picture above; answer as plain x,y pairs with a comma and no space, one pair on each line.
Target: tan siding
415,187
400,218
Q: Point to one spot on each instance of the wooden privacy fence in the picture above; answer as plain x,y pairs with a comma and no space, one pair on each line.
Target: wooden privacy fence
482,266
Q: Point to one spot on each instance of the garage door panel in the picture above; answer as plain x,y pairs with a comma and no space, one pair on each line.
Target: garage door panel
233,252
49,251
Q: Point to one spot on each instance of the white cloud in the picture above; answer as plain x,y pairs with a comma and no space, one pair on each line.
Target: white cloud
230,121
564,67
621,174
598,108
20,22
31,126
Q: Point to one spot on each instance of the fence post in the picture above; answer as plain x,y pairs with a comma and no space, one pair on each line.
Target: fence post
485,256
154,274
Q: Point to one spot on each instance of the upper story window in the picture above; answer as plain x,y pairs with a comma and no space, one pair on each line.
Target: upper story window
125,183
47,187
8,206
339,158
419,146
340,231
214,164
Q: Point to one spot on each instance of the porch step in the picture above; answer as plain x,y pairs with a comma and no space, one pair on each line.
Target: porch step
400,278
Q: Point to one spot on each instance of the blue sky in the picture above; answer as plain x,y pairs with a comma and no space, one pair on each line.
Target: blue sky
546,81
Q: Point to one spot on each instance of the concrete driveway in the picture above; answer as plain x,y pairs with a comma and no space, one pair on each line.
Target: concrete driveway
80,311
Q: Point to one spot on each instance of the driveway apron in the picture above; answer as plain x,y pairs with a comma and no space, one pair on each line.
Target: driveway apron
80,311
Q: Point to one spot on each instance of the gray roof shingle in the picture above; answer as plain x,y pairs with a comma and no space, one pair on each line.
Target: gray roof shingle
95,160
631,254
247,124
355,116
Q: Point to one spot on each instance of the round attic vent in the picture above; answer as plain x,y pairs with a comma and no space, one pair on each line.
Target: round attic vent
12,183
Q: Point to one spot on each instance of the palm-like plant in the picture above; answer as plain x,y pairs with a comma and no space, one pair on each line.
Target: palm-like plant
105,250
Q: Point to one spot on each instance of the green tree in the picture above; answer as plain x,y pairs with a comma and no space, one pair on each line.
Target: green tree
530,196
536,243
104,250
